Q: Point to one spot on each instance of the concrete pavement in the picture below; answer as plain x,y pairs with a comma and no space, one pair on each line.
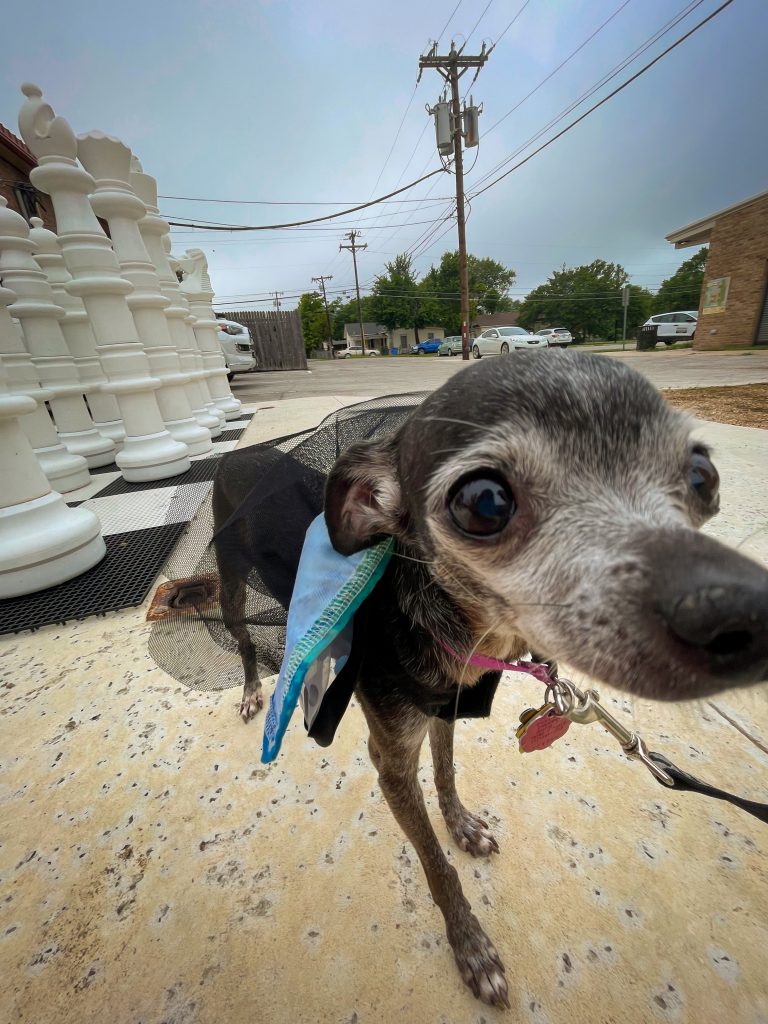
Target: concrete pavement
154,871
666,368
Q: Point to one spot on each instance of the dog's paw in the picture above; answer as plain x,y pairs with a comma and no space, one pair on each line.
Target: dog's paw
252,704
472,834
479,964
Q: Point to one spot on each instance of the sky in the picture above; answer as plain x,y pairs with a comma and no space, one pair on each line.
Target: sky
298,104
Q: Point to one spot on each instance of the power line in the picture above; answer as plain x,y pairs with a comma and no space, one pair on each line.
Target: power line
485,11
613,73
559,67
509,26
448,22
314,220
605,99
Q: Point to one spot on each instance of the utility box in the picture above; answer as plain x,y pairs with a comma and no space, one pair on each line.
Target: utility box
443,134
471,126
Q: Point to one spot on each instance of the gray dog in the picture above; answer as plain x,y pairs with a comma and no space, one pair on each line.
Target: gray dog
545,502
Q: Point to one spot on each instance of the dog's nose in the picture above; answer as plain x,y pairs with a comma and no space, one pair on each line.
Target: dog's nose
715,602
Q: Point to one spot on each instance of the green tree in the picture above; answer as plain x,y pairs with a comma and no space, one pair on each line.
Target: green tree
586,300
312,313
489,284
683,289
395,300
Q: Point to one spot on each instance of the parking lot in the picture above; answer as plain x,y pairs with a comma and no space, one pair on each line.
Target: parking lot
682,368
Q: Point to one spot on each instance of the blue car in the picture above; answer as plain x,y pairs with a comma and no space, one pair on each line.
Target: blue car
428,347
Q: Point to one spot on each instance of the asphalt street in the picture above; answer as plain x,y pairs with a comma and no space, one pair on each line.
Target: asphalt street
390,375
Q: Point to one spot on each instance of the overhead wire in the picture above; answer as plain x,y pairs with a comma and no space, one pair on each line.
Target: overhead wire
609,96
607,77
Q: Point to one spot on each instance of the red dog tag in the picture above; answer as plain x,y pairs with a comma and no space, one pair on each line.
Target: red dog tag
542,729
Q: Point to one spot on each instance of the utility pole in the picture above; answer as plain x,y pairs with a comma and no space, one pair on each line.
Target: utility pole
625,295
452,67
276,300
353,248
322,281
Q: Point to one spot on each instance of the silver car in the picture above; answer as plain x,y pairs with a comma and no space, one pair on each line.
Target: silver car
499,341
558,337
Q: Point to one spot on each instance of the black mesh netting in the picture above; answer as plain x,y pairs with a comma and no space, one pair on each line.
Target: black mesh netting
239,574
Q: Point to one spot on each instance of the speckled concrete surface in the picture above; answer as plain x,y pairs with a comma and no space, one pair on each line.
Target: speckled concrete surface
152,870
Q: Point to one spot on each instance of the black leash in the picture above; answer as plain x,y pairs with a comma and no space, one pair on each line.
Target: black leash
683,781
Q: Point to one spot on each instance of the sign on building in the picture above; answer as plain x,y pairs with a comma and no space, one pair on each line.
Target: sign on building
716,295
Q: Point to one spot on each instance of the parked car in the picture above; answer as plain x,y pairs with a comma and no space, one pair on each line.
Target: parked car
558,337
500,340
237,347
451,346
428,347
355,350
674,326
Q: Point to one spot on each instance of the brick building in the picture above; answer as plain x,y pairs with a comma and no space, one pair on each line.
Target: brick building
733,309
16,161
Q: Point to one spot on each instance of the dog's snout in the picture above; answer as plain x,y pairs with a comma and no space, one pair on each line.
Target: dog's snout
727,623
714,602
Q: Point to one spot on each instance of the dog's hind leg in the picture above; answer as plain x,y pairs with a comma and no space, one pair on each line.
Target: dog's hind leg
233,591
469,831
394,749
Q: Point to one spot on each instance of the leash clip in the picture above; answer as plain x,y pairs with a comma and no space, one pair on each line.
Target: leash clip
584,708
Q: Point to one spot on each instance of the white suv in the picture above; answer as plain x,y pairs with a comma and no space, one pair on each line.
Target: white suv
236,346
674,326
558,337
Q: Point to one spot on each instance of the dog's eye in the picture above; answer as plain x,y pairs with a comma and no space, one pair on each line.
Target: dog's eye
704,478
481,505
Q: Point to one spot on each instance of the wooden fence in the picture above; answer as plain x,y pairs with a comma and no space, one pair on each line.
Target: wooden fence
278,339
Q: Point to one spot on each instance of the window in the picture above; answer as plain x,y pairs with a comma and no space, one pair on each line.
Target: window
508,332
403,339
684,318
26,197
492,334
431,336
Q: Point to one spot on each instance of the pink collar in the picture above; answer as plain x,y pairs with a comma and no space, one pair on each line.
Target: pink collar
532,668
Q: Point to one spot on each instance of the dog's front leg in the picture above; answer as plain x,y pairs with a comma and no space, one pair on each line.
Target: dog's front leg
396,756
469,831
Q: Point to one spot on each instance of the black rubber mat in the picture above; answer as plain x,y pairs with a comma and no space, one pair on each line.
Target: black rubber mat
122,579
203,469
230,435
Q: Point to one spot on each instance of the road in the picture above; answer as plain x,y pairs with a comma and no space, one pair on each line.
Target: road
387,375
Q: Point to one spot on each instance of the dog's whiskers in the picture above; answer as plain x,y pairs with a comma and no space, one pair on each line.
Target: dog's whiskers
451,419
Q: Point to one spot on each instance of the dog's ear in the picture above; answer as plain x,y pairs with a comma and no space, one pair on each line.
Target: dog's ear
362,497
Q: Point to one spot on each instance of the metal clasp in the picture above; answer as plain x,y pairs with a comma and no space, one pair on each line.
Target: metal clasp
584,708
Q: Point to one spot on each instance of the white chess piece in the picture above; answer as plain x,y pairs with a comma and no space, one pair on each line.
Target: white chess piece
199,291
40,318
149,452
108,160
65,471
42,540
77,332
153,230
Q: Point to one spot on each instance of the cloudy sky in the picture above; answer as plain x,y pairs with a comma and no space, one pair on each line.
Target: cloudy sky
298,104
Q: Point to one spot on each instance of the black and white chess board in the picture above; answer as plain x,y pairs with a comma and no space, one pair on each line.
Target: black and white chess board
141,524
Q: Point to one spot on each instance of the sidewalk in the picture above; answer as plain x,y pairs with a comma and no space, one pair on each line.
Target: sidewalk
154,871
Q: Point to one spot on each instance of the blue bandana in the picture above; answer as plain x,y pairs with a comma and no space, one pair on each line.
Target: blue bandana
328,591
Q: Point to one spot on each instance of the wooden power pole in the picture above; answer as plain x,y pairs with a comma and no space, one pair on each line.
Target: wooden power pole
452,67
353,247
322,279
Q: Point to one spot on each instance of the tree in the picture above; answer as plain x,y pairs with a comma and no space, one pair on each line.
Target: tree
585,299
489,284
395,300
683,289
313,325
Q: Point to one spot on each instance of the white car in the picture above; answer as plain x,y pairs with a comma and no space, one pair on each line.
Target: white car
558,337
498,341
355,350
237,347
674,326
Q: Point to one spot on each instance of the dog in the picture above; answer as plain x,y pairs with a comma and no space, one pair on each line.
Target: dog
544,502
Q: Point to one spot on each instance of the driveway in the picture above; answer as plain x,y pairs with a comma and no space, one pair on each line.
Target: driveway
387,375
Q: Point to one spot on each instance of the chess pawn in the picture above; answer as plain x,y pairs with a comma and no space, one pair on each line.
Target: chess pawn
77,333
42,540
